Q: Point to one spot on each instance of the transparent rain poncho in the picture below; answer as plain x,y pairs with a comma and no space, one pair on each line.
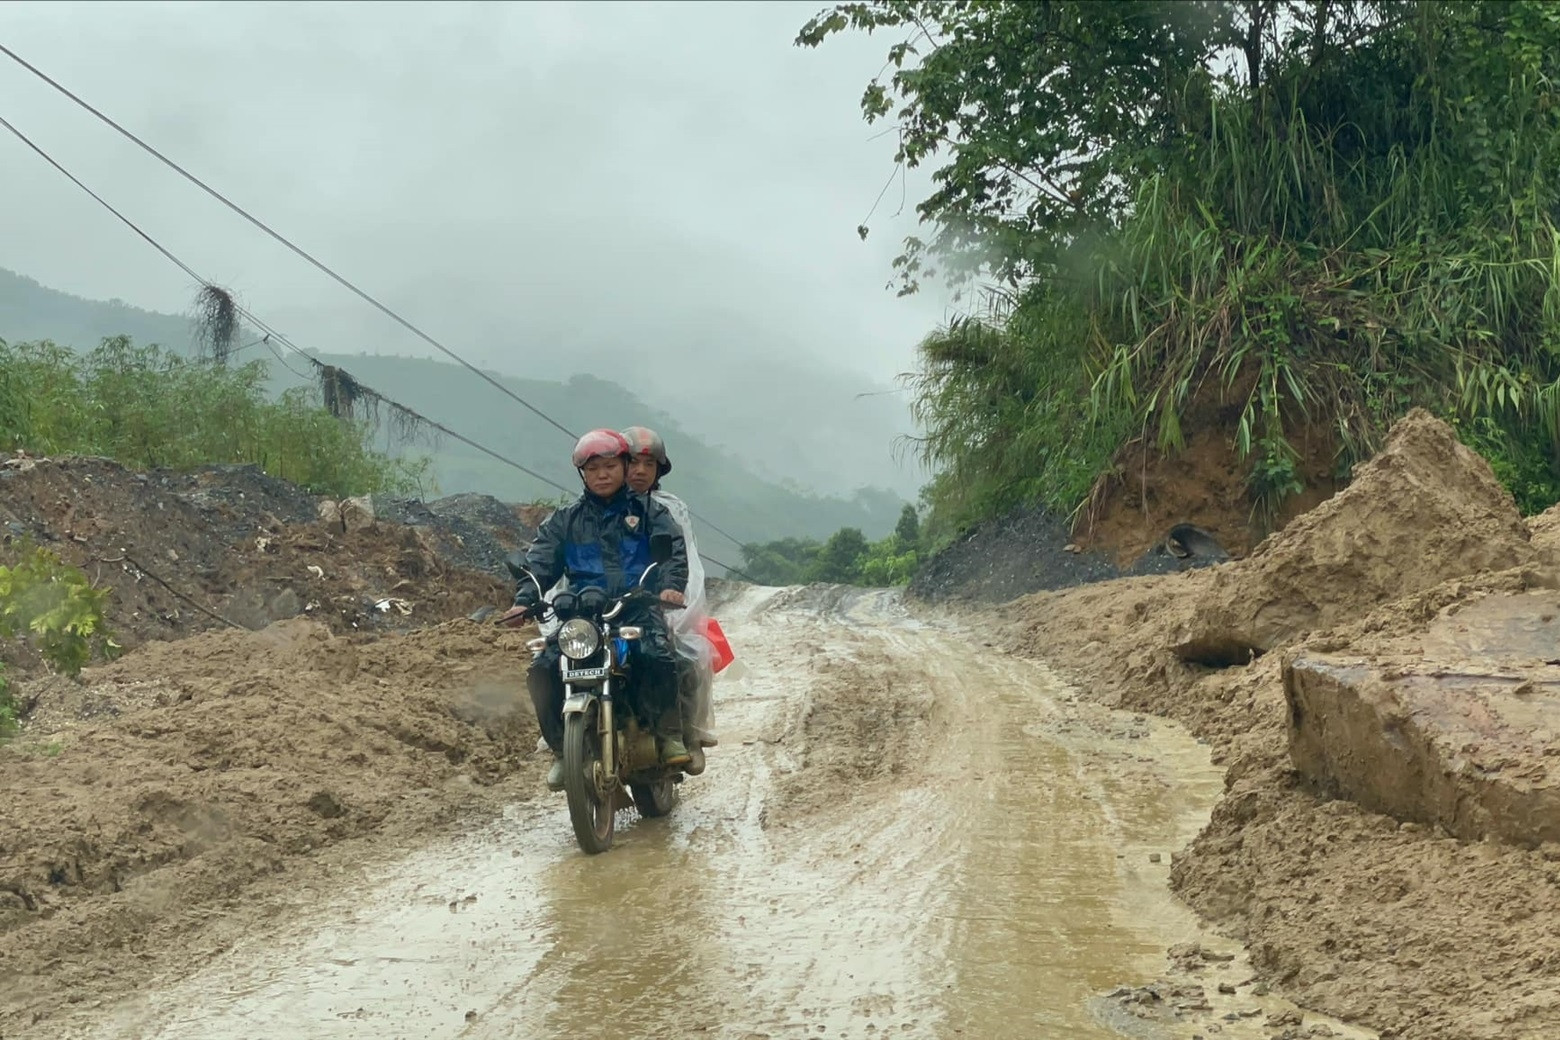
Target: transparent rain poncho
688,622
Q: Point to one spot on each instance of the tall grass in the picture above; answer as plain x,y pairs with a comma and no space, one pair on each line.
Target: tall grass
147,408
1327,253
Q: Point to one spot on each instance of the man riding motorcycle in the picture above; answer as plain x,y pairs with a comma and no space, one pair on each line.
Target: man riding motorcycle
603,540
648,463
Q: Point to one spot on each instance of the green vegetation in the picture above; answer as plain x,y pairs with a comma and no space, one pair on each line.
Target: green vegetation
58,610
1322,212
146,407
722,485
7,706
846,558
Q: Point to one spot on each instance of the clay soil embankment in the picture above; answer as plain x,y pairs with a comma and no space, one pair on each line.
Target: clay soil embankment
1380,679
297,677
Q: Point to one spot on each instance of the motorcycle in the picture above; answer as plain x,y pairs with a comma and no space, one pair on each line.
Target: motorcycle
610,758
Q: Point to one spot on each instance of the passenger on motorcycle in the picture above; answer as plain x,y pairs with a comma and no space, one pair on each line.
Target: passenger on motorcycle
603,540
647,464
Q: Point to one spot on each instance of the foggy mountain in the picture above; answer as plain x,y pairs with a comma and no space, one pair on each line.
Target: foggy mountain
728,378
664,196
724,485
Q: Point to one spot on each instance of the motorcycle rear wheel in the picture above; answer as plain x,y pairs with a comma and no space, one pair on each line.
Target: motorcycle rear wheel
653,799
587,788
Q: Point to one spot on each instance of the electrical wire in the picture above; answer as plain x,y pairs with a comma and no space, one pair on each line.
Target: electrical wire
291,246
283,240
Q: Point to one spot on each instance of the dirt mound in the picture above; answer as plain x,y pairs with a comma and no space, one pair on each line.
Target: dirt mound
189,552
184,771
1544,531
1424,510
1454,729
473,531
233,495
1030,551
386,577
1388,923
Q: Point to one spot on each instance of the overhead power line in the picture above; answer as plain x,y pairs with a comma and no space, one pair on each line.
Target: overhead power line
271,333
290,246
288,243
272,337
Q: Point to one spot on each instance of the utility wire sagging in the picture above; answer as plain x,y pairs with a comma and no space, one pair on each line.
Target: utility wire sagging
210,293
296,250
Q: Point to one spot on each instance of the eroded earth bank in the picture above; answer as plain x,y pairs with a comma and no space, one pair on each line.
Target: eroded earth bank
1380,682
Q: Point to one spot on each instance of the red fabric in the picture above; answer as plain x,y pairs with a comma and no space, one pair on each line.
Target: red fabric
721,650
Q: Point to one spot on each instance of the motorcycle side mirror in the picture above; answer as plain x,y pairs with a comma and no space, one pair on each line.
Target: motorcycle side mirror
660,547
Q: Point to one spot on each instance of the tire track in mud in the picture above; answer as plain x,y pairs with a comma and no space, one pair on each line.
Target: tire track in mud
902,834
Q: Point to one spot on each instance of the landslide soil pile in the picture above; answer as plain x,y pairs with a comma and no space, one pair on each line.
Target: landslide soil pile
476,532
186,553
282,692
166,782
1393,924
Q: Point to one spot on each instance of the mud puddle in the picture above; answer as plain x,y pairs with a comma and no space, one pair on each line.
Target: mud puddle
903,834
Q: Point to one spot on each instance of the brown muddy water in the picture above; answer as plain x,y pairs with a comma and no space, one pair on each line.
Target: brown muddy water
902,834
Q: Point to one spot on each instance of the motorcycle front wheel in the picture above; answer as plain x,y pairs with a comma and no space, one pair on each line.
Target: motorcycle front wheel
586,784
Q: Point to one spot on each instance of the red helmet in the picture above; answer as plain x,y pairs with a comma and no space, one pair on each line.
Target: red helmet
599,444
644,441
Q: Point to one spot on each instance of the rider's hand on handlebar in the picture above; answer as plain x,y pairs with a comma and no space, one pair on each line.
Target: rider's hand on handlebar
673,597
514,617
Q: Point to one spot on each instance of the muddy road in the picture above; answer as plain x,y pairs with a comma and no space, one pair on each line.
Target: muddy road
902,834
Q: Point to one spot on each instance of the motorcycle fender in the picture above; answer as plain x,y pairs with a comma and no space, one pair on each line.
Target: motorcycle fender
576,703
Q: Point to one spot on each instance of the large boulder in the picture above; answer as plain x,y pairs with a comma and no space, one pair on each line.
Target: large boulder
1424,510
1457,726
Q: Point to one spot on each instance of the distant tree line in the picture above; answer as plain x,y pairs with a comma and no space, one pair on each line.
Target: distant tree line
846,558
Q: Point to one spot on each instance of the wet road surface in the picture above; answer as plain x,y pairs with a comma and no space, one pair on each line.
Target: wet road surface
1008,875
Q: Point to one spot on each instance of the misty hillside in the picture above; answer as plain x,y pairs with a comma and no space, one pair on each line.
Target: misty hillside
820,427
782,394
30,311
722,486
717,484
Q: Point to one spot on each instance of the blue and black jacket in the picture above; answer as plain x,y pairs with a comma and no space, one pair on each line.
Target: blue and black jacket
605,543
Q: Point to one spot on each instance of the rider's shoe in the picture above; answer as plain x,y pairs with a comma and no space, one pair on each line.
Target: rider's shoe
707,739
673,751
555,775
695,764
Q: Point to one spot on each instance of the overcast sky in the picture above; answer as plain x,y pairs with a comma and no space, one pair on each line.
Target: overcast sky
505,173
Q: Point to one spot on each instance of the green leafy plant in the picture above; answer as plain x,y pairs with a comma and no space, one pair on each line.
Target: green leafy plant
54,606
1525,466
8,707
847,558
1353,217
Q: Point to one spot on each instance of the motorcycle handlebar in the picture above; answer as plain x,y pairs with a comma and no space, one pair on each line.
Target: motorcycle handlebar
543,610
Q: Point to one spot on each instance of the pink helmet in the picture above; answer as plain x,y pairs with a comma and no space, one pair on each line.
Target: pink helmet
599,444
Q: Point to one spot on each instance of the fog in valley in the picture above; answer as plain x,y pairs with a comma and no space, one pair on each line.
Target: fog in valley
664,197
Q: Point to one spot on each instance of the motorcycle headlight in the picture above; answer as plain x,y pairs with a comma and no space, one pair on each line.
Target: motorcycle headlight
578,639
